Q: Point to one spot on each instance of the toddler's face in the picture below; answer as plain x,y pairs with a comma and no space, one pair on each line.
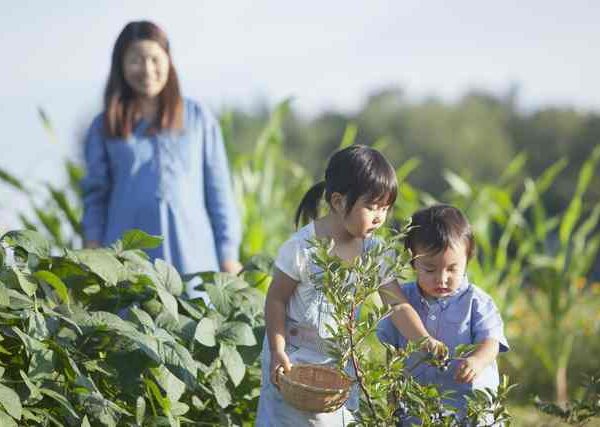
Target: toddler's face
439,275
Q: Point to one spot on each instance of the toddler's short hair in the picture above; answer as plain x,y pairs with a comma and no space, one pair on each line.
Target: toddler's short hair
438,227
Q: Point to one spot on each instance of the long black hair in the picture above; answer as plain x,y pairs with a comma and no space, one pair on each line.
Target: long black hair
354,172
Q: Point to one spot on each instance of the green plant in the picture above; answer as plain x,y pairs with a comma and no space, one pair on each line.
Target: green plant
388,393
579,411
562,250
268,186
104,337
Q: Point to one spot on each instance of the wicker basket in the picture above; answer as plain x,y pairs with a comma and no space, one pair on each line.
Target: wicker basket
315,388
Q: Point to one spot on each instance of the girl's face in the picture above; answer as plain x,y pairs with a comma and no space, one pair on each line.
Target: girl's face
365,217
441,274
146,68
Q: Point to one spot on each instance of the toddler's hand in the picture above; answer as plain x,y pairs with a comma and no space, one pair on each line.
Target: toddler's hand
468,370
280,362
435,347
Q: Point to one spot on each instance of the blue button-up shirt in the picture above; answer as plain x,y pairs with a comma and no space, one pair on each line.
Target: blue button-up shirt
469,316
175,184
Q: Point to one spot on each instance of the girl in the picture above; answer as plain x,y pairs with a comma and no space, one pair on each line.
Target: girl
453,310
156,161
359,187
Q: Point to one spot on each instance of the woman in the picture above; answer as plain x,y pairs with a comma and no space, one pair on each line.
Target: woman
156,162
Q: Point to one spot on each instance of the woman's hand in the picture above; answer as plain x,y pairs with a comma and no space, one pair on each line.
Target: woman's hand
231,266
280,363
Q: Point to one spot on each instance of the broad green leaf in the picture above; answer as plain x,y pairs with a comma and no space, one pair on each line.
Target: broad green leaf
105,411
138,239
34,390
218,384
157,395
140,410
37,327
15,280
100,262
101,320
172,385
220,298
168,277
233,363
29,414
29,240
205,332
11,401
4,298
6,420
53,280
2,256
222,290
191,308
237,333
85,422
62,400
180,362
179,408
46,309
168,301
142,318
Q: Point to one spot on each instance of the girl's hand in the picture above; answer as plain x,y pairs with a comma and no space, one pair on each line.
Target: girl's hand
468,370
280,363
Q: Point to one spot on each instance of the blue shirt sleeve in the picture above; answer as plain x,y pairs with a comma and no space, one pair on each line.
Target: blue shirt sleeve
220,200
486,322
96,184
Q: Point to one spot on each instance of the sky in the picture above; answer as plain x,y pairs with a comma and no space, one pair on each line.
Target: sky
326,54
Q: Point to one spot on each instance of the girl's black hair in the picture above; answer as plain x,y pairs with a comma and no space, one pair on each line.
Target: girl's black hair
356,171
438,227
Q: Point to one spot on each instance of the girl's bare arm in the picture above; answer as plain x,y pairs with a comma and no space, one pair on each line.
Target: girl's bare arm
404,317
279,294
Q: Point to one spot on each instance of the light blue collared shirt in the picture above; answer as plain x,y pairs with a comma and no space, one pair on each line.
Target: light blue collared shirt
175,184
469,316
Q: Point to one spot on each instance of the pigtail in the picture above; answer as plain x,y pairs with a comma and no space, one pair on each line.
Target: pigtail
309,206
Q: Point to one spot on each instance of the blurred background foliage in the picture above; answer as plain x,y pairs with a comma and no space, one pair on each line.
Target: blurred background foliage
528,181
